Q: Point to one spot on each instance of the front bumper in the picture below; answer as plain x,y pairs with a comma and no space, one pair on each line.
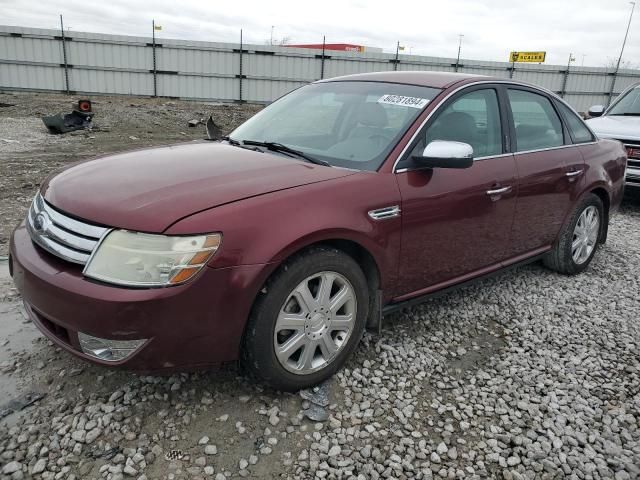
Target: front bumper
189,326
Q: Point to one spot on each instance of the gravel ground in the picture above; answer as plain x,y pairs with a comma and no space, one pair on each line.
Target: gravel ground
528,375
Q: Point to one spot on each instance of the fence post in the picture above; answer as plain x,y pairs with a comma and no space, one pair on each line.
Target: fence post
153,49
396,61
459,50
64,57
324,39
240,75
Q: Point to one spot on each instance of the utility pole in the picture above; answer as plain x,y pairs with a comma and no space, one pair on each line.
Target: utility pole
566,75
582,63
271,41
514,55
624,42
459,49
64,57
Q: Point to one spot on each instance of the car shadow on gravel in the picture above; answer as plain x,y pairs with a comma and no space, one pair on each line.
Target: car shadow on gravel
475,345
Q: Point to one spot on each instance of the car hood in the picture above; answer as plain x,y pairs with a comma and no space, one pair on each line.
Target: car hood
148,190
616,126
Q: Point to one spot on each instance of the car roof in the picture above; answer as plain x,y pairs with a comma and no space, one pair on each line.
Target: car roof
424,79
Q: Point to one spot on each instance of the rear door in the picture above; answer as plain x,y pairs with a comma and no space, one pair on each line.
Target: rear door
550,169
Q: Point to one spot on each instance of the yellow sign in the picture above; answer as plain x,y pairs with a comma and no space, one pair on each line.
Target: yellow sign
158,27
530,57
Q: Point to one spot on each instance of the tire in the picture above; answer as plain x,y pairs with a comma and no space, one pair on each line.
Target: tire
269,349
562,258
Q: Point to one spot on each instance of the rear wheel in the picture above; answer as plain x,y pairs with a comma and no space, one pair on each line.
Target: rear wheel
579,239
308,320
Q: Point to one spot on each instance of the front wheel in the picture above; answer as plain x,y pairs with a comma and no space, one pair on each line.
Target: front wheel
308,320
579,239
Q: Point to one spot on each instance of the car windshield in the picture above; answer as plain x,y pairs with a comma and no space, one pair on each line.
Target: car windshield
346,124
629,104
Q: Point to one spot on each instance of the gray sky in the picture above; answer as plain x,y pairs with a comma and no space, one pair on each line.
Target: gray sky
491,28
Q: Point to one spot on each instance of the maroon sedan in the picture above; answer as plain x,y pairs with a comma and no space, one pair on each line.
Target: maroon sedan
338,203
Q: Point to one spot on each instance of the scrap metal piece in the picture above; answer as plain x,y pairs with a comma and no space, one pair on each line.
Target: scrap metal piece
214,132
318,395
107,454
84,106
259,443
20,403
75,120
316,413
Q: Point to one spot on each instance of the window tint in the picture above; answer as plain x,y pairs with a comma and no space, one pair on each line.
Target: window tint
578,129
473,118
537,123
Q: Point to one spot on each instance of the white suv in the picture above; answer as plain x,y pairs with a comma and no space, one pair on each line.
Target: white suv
622,122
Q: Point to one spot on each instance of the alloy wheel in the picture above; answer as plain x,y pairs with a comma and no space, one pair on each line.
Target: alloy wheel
585,235
315,322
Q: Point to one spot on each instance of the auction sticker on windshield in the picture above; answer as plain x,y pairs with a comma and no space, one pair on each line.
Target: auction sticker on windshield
403,101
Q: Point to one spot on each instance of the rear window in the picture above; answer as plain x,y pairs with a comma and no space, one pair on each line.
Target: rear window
579,130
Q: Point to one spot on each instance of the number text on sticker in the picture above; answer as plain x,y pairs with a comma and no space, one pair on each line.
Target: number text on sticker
403,101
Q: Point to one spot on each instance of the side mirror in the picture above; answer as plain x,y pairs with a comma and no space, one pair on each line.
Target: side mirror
596,111
445,154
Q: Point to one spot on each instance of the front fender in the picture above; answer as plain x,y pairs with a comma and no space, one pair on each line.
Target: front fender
269,228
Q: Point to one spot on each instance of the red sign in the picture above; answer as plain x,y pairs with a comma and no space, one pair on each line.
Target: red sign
344,47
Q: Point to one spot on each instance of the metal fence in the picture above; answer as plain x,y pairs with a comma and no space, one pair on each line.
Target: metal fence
92,63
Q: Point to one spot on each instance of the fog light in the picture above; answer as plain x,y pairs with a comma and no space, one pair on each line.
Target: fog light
106,349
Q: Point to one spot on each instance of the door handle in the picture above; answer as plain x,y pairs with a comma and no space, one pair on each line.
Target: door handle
574,173
499,191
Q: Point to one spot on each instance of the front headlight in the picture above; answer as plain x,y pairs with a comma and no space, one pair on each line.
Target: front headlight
147,260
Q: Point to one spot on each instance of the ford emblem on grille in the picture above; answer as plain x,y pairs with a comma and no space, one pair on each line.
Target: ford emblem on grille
41,222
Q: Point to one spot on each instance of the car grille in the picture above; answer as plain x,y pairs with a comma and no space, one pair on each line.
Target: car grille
60,235
633,162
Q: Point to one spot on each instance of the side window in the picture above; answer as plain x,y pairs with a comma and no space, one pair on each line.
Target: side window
579,130
472,118
537,123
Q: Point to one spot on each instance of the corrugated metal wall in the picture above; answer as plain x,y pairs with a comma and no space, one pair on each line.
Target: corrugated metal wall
32,59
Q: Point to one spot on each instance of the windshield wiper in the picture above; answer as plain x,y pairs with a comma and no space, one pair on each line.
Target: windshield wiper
627,114
279,147
237,143
231,141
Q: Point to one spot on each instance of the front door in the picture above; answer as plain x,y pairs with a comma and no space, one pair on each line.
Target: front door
456,223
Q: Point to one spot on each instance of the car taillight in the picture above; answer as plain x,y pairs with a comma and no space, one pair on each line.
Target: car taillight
633,152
